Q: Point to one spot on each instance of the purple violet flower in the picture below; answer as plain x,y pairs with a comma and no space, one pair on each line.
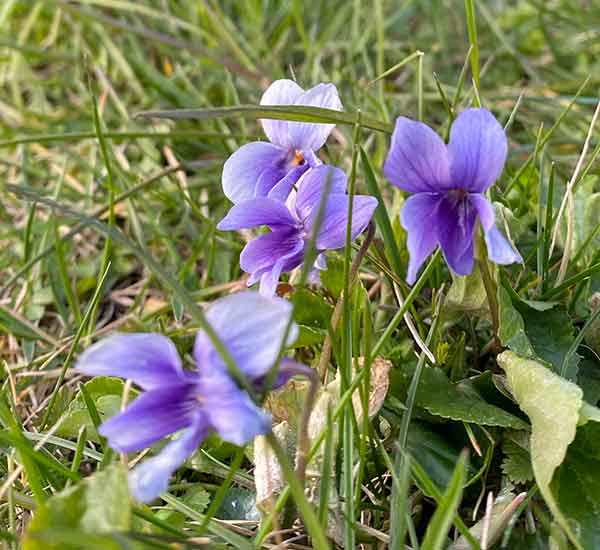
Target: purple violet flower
261,169
449,182
292,225
198,401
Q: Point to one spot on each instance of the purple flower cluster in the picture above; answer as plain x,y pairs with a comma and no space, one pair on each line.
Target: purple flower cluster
281,185
449,182
195,402
293,224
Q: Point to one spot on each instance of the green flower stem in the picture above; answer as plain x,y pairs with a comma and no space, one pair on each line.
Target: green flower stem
337,312
489,283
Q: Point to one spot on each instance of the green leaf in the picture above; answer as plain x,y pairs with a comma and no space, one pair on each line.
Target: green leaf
96,505
592,336
439,525
576,485
467,293
440,397
434,454
107,394
517,461
512,328
536,332
551,334
552,404
309,336
301,113
311,309
333,277
588,379
11,323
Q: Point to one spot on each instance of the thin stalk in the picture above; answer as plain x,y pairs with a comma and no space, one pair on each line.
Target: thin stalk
222,491
397,541
488,282
472,31
347,359
337,312
398,316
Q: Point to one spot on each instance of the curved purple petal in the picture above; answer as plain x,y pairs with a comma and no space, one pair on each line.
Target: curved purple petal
270,279
255,212
478,149
232,413
243,169
264,251
150,360
418,217
312,184
252,327
310,135
311,159
418,160
152,416
280,92
456,217
332,230
500,250
269,178
150,479
281,190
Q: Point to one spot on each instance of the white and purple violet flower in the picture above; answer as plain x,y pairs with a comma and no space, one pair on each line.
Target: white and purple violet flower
263,169
198,401
294,223
449,182
280,185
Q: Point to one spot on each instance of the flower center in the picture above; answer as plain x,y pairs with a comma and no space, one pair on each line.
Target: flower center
298,158
459,194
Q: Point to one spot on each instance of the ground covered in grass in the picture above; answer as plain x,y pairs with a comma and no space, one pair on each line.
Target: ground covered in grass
455,412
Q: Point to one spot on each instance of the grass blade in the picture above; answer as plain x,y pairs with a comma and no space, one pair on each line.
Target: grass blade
439,525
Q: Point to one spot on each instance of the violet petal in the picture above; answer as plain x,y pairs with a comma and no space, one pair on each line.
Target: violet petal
150,360
418,160
312,185
243,168
150,479
418,218
478,149
332,230
256,212
284,186
310,135
456,219
269,178
263,251
232,413
270,279
499,249
153,415
252,327
280,92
